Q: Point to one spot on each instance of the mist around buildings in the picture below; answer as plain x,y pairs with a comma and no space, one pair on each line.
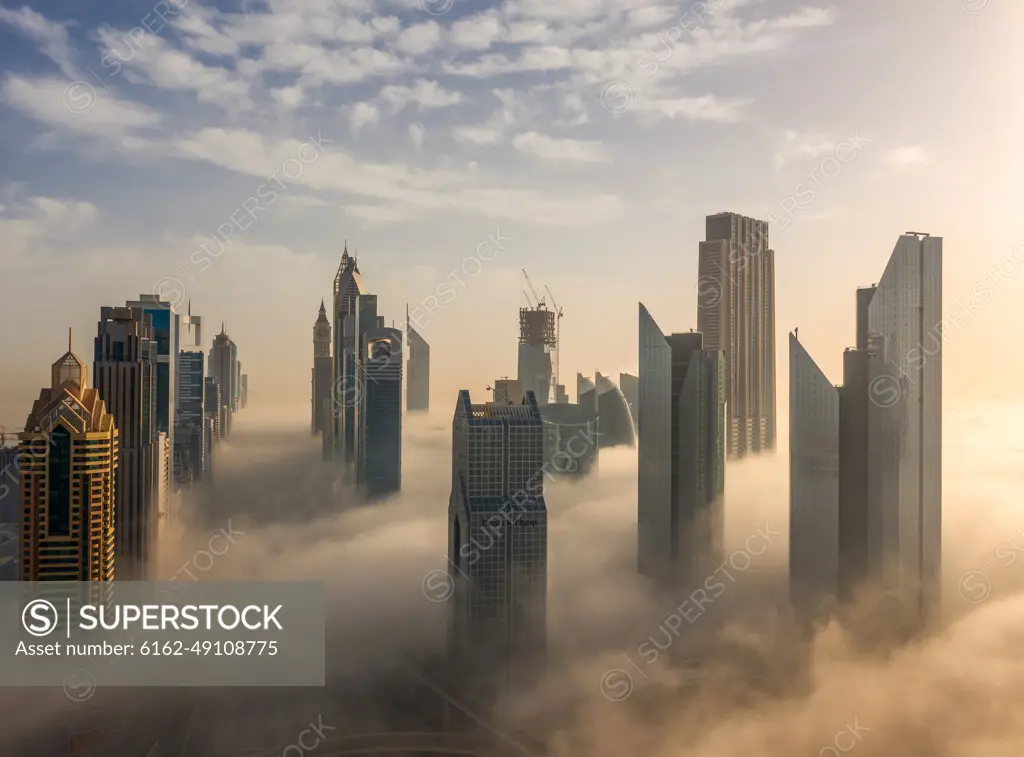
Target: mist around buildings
630,671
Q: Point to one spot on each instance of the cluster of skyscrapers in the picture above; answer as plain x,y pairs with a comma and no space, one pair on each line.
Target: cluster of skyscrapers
99,468
704,395
866,456
357,401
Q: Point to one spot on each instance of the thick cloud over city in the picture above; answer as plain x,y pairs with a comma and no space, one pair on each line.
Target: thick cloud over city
629,671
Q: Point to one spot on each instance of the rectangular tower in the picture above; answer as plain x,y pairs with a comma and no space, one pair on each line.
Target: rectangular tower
165,330
497,545
736,314
814,517
191,455
379,412
125,373
348,285
418,399
905,315
681,415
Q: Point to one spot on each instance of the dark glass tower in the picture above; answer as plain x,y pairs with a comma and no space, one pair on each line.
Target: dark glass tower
497,545
125,373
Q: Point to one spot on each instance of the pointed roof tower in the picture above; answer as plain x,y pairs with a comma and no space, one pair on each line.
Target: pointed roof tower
322,318
68,368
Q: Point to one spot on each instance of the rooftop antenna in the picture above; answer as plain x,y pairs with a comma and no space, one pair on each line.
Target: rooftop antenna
69,339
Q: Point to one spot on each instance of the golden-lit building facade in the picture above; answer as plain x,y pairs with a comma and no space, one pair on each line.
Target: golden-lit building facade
68,456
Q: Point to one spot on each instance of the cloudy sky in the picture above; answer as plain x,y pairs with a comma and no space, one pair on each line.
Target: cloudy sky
222,152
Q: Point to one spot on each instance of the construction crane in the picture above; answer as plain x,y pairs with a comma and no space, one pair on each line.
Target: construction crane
558,330
540,302
528,300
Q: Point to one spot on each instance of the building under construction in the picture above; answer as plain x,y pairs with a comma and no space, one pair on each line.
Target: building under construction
538,346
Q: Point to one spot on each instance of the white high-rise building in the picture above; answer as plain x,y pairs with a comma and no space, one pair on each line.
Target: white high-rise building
905,423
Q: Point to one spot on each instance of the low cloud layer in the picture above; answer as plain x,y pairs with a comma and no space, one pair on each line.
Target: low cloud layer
630,671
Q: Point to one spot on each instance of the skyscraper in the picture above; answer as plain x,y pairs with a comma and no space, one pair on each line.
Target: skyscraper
348,285
681,455
243,389
497,544
224,367
629,385
418,399
736,314
813,485
322,374
616,423
165,330
236,399
125,372
191,424
905,315
378,401
212,403
68,466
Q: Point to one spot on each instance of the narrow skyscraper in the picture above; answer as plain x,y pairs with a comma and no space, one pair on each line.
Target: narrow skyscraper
348,285
165,329
736,314
125,373
418,374
497,546
224,367
813,485
322,375
906,314
681,455
68,467
191,423
378,402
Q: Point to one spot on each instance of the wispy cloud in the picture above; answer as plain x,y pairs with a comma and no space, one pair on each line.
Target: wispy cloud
555,149
907,157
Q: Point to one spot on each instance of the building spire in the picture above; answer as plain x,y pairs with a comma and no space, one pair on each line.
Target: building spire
69,339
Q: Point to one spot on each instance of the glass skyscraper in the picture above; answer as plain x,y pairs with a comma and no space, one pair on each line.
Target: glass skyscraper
497,545
125,372
813,484
378,436
681,455
905,316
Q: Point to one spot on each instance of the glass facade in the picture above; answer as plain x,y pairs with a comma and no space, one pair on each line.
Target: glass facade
813,484
681,455
905,316
497,546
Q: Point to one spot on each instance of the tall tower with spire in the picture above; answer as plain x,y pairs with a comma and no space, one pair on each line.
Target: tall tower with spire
322,373
339,444
224,367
